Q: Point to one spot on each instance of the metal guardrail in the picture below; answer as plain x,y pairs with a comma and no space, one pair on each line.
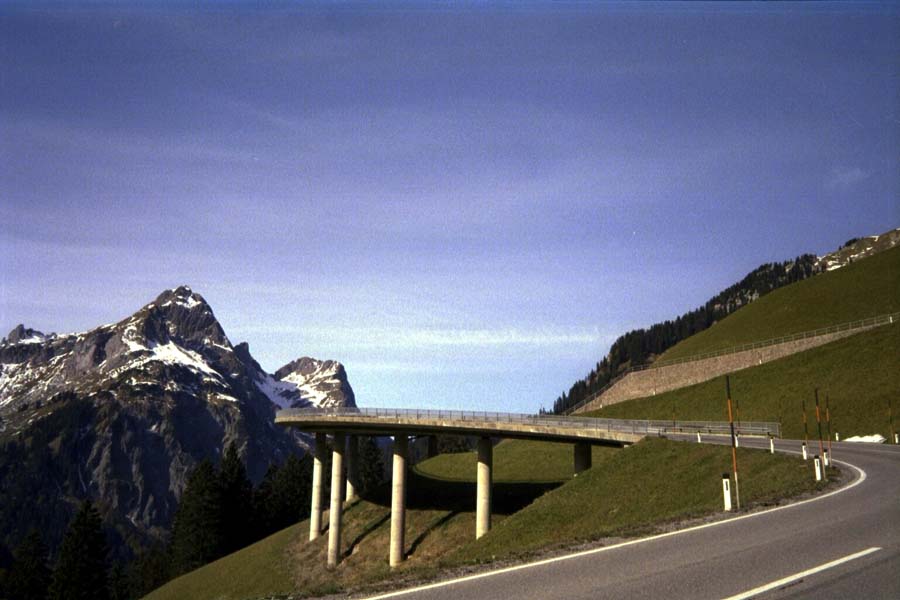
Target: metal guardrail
581,423
886,319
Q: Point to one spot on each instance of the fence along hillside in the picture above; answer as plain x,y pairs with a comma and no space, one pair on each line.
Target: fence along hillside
649,380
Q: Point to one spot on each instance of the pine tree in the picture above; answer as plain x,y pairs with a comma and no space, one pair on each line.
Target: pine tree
262,501
81,569
237,501
118,583
6,561
197,533
148,571
371,465
290,496
29,577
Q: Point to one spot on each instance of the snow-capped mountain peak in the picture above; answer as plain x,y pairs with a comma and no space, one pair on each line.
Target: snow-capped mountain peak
309,382
141,401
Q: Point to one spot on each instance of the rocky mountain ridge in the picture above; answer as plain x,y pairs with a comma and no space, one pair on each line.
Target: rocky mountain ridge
123,412
857,249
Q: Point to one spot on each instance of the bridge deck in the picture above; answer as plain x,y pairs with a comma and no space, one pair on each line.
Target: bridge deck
610,432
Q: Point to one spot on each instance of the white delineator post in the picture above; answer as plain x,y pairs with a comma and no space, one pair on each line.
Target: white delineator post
726,491
826,460
837,436
805,456
315,513
771,445
398,501
483,492
737,441
335,515
818,465
698,438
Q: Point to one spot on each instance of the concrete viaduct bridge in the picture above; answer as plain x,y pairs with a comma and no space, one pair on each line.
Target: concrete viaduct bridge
345,423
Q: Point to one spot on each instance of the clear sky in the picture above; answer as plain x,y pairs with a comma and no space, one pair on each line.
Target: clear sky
464,204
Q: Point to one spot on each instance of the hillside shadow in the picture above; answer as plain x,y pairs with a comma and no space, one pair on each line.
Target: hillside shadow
429,493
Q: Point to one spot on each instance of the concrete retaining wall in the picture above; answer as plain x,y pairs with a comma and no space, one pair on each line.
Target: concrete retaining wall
639,384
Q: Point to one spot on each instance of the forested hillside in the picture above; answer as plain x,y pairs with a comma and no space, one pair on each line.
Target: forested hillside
642,346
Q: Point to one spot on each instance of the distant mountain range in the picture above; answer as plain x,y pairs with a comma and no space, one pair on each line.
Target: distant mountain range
122,413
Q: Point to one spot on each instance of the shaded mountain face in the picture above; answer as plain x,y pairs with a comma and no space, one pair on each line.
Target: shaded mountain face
123,413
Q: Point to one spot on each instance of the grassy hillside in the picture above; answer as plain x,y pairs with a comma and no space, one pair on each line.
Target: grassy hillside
626,492
859,374
863,289
653,482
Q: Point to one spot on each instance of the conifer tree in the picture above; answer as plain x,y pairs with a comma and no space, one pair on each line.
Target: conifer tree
197,532
80,572
118,583
371,465
29,577
262,502
148,571
237,501
289,501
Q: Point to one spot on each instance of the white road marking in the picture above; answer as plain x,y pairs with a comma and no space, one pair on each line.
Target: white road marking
430,586
791,578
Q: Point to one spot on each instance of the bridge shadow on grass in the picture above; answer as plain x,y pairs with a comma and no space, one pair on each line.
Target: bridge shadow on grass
367,529
427,531
429,493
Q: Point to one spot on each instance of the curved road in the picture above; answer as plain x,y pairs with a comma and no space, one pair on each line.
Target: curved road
853,532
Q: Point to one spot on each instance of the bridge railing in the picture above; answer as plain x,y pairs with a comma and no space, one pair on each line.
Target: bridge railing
579,423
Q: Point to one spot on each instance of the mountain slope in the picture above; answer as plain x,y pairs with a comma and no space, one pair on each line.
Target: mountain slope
642,346
122,414
858,374
865,288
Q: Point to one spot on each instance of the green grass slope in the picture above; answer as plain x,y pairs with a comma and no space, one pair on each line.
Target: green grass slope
626,492
654,482
859,374
863,289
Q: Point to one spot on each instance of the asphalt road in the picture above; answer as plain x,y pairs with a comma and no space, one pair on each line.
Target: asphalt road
734,557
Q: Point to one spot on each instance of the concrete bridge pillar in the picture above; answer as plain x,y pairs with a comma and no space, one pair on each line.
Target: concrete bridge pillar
315,513
398,501
483,493
432,446
582,457
352,468
337,499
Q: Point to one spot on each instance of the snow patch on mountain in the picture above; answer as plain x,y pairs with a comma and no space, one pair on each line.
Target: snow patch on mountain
283,394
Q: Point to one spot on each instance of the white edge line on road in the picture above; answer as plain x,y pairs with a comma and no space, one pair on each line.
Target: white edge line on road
791,578
430,586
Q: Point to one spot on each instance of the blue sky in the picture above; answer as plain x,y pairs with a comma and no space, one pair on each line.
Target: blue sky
464,204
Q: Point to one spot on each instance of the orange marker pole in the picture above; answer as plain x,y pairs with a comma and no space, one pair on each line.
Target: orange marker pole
805,426
819,425
828,422
737,487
